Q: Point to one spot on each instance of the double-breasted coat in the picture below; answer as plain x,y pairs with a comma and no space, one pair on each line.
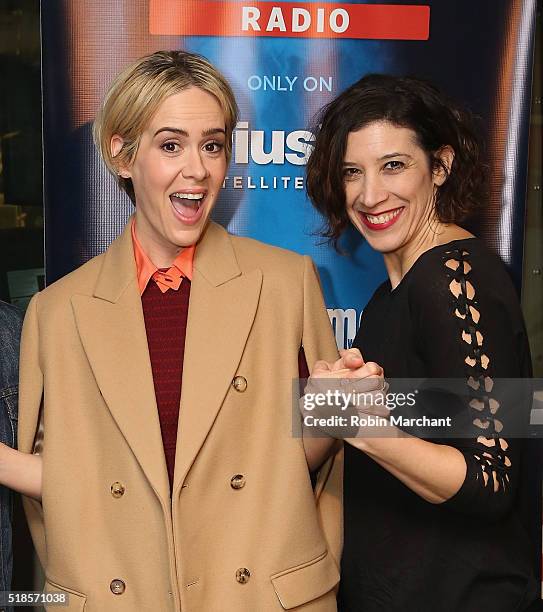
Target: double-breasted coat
240,530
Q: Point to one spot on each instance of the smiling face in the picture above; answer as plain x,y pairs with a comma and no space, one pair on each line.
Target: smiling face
177,173
389,188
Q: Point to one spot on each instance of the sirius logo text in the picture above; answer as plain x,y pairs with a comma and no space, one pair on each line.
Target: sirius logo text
274,147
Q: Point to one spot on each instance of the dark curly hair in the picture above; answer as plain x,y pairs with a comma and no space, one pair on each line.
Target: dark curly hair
405,102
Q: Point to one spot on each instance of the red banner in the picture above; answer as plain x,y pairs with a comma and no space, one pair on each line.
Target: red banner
289,19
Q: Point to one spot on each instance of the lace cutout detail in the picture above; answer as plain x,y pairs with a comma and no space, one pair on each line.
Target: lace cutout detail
493,459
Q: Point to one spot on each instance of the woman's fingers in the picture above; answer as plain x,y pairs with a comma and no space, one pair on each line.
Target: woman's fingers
350,366
349,359
320,367
351,352
368,370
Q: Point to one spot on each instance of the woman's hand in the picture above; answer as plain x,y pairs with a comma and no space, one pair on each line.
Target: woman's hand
350,365
21,472
336,394
348,384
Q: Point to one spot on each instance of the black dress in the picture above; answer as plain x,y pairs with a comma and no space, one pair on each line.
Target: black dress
453,313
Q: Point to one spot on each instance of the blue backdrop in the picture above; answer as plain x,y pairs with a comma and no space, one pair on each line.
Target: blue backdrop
481,57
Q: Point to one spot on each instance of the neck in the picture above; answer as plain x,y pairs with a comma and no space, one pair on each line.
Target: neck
161,253
399,262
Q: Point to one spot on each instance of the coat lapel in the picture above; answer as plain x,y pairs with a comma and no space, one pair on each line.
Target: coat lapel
112,330
223,304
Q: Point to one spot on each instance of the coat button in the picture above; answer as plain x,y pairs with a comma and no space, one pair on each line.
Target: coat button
117,586
237,481
243,575
117,490
240,384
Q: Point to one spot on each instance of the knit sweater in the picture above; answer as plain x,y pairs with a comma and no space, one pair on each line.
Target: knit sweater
166,325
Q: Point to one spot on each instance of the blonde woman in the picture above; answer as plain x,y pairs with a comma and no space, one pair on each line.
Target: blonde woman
156,382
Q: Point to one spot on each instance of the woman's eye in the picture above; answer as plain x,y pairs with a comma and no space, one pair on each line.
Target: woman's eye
394,165
171,147
350,172
213,147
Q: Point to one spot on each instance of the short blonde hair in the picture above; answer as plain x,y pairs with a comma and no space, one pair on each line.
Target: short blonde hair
135,95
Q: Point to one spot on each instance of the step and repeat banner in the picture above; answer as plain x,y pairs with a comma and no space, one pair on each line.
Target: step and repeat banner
285,60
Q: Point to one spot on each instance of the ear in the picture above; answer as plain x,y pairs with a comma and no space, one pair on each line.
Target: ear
115,147
446,155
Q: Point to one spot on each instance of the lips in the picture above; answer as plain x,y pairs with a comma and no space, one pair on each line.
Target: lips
188,206
382,220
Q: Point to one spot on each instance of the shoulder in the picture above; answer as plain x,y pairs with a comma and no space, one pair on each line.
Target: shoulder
382,291
54,302
252,253
281,269
377,300
461,293
80,280
286,275
461,268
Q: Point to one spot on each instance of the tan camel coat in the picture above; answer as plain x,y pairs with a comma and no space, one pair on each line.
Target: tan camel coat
240,532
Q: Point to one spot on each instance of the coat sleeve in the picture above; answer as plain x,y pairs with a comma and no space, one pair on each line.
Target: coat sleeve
10,336
318,339
319,343
30,403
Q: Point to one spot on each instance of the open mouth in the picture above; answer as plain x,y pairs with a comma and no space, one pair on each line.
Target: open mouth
188,206
381,221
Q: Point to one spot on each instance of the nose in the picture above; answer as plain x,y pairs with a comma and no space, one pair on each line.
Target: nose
373,191
194,167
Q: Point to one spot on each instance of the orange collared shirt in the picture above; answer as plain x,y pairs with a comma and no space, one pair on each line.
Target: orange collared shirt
165,279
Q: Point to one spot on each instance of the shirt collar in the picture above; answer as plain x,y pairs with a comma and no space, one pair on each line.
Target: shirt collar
165,279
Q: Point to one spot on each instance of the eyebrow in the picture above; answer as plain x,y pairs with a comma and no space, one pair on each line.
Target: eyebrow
387,156
390,155
181,132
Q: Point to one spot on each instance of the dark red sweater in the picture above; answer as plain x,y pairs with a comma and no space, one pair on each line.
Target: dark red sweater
166,325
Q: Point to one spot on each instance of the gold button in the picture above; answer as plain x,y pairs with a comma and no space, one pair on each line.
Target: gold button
117,586
243,575
240,384
237,481
117,490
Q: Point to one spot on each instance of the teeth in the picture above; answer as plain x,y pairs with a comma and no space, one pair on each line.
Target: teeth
380,219
188,196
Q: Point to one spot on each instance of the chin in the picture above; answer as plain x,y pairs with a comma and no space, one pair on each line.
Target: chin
383,244
188,237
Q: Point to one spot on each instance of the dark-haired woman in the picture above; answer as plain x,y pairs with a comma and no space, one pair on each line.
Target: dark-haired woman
429,525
